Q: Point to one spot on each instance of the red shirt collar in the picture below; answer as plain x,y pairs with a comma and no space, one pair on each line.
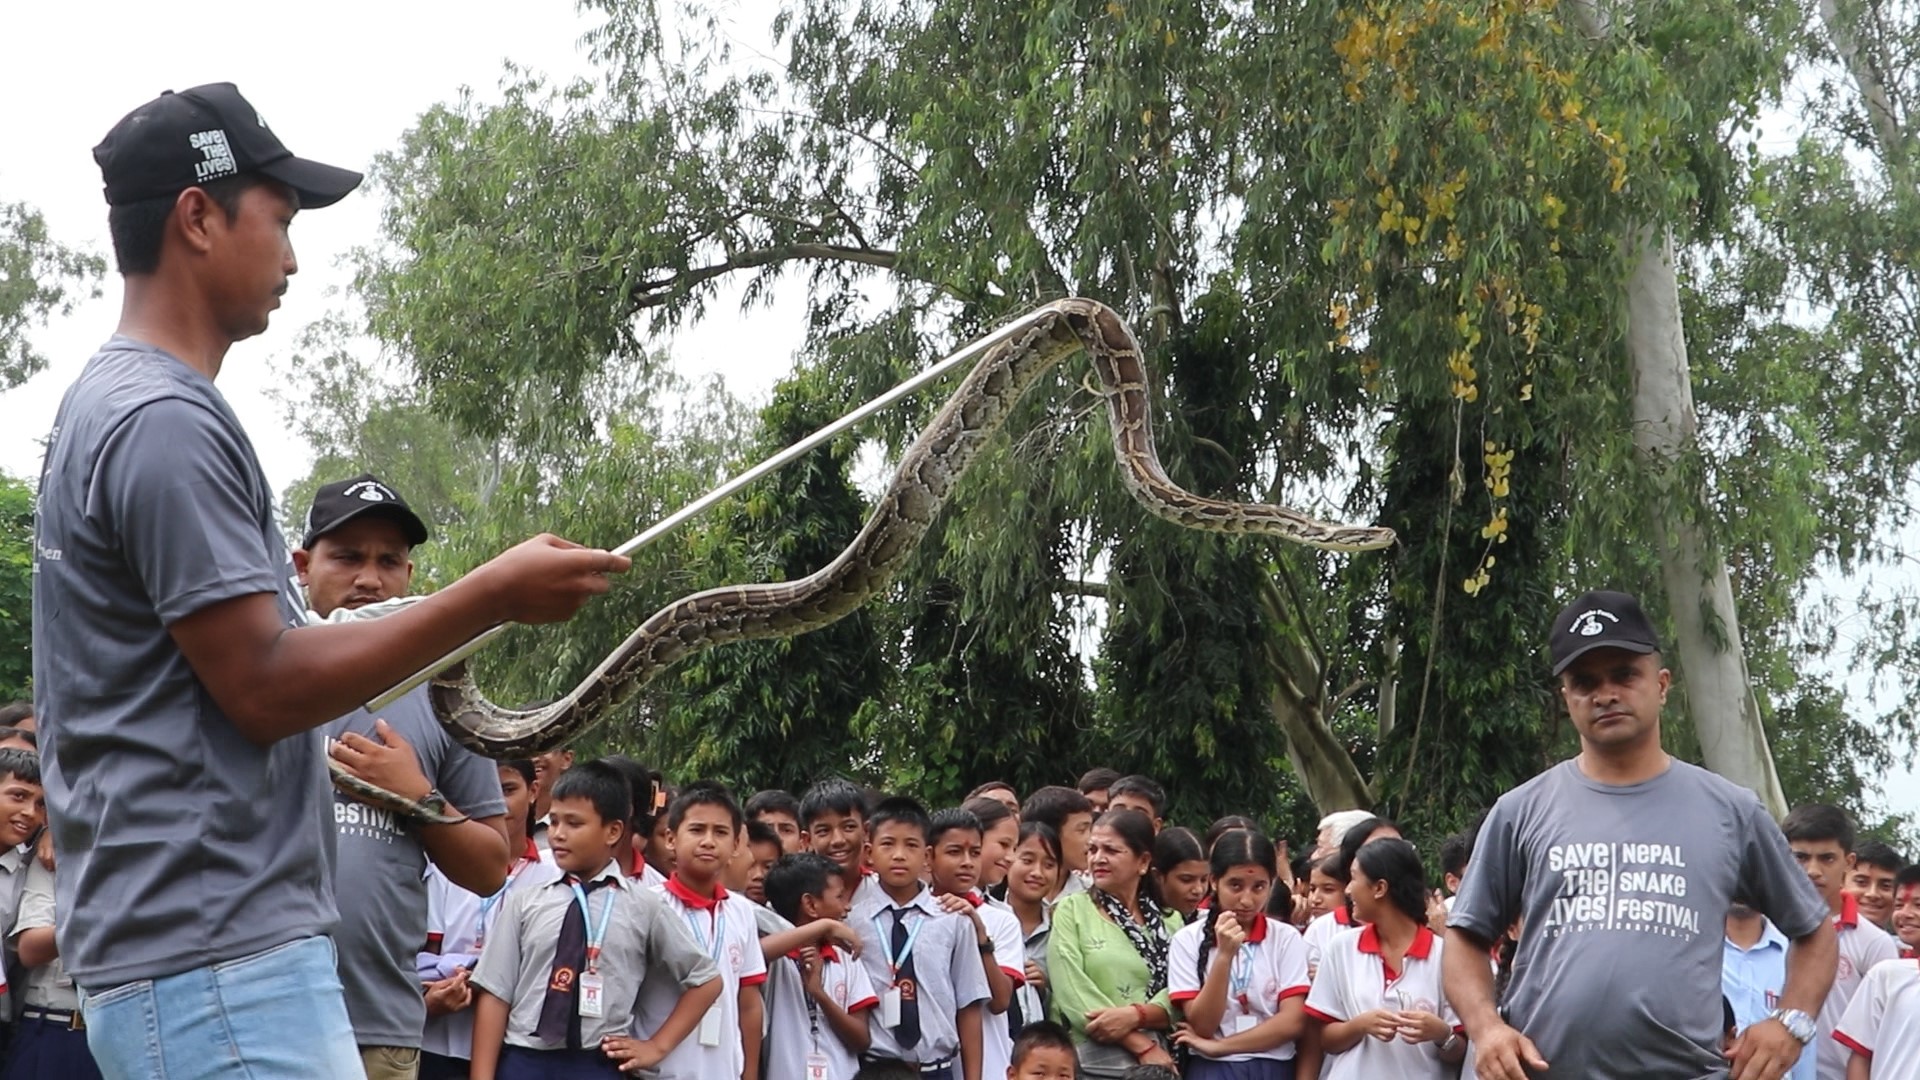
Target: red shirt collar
1849,916
1257,933
1340,916
1420,949
975,899
531,852
693,899
634,864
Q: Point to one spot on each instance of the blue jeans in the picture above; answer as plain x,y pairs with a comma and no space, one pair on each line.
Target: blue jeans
275,1015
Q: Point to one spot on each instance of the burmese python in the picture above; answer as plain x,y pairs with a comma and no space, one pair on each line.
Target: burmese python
927,475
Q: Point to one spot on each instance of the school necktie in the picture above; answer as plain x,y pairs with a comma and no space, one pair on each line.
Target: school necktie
907,1031
559,1017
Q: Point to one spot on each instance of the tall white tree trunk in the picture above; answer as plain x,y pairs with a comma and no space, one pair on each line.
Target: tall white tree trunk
1699,593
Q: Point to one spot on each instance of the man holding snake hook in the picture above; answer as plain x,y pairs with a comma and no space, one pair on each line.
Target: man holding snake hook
177,683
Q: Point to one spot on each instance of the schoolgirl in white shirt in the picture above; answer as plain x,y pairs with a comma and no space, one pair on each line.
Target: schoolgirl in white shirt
457,924
1238,976
1378,994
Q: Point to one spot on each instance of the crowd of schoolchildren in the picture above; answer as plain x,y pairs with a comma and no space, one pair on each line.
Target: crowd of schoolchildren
649,930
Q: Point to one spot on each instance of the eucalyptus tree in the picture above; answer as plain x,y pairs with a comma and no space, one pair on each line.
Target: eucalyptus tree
40,278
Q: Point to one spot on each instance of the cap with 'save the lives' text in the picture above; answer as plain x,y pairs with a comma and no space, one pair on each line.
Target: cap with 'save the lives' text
197,136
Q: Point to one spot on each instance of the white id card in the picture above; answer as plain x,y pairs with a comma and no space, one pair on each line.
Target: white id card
890,1007
816,1067
593,1002
710,1026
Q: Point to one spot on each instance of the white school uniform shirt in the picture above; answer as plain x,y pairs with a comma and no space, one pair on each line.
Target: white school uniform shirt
1354,979
946,964
1322,930
726,928
1270,968
1862,947
1882,1021
1010,953
456,922
797,1030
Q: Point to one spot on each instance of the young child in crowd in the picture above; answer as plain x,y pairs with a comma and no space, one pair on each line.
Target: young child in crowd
1239,977
1139,793
833,814
779,811
646,788
925,963
999,833
953,864
562,966
47,1043
1044,1051
1871,881
1906,910
1180,870
758,850
1031,882
1070,815
706,825
825,1025
457,923
1821,838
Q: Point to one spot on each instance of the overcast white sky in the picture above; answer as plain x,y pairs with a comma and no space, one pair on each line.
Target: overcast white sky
339,83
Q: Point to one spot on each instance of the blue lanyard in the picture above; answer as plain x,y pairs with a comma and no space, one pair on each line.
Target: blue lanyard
595,934
1240,975
719,931
487,903
895,963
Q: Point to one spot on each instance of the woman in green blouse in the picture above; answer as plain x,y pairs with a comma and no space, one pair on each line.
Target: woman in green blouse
1107,956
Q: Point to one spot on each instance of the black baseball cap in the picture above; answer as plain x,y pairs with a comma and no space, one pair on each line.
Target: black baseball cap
1601,620
337,503
197,136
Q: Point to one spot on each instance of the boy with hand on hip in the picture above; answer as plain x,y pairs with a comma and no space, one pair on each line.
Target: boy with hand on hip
563,964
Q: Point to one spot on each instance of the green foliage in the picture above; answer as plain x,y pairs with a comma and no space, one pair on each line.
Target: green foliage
16,588
39,279
1378,252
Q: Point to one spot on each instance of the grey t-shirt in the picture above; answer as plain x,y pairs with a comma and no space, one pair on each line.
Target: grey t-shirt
382,875
181,844
1623,893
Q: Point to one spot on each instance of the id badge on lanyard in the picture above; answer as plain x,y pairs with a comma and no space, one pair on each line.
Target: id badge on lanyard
593,1001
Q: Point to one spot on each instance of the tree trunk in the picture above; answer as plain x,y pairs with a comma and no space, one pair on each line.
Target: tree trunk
1299,707
1699,592
1843,33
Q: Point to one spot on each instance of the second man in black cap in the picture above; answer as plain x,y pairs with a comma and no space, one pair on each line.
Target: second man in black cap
358,550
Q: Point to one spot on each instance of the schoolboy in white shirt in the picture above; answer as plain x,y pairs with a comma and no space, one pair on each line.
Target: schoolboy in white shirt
563,963
824,1025
924,962
706,825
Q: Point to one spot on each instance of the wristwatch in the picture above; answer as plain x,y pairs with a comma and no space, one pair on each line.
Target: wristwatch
1798,1024
986,947
1453,1040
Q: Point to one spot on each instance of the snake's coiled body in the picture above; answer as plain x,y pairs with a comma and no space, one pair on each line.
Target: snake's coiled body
927,476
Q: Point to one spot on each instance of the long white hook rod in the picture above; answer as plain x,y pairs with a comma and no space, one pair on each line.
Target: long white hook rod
700,505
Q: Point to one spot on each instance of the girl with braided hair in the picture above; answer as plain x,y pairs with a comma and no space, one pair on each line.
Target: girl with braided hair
1240,976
